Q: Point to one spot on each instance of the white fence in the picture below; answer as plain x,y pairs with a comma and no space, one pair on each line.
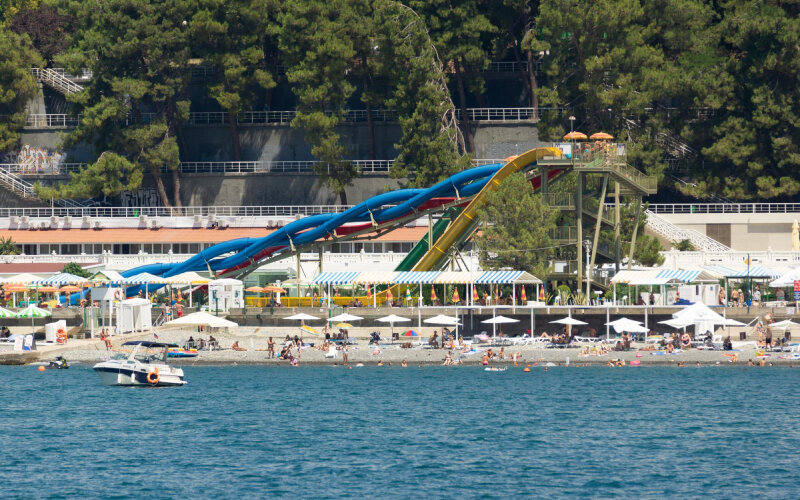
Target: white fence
725,208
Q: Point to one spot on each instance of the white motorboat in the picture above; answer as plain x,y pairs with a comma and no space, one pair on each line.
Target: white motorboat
145,366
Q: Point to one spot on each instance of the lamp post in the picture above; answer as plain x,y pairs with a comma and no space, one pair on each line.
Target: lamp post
588,245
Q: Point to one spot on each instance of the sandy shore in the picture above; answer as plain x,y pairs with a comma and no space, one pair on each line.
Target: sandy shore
255,341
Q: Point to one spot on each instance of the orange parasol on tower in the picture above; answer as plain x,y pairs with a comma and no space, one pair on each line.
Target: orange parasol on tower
522,296
575,136
456,298
475,297
433,295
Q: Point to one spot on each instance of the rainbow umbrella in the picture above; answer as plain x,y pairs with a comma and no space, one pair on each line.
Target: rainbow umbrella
410,333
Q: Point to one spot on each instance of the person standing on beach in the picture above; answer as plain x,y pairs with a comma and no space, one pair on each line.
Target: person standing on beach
344,353
270,348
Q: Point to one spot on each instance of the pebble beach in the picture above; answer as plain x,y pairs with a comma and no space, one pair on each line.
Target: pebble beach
254,340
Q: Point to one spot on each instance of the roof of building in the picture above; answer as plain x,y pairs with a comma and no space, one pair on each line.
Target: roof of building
44,268
167,235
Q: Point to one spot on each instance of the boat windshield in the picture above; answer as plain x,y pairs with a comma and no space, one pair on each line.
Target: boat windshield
151,355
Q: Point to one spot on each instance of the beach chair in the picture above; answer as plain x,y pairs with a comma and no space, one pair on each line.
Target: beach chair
331,352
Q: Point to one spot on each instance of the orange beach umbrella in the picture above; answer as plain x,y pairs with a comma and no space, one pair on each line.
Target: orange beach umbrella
522,296
575,136
601,136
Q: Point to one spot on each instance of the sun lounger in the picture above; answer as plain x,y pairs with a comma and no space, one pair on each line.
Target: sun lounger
331,352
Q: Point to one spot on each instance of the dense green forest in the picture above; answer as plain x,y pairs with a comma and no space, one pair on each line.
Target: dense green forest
708,89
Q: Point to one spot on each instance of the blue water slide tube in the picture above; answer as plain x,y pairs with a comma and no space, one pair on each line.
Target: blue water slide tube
309,229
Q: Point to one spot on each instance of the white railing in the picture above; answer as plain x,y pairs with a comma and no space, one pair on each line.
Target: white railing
133,212
17,185
52,121
285,117
85,74
735,259
725,208
57,80
511,66
225,167
674,233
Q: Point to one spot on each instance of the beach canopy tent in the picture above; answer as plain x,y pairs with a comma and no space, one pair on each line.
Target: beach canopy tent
702,316
507,277
455,278
335,278
139,279
187,278
134,315
641,277
62,279
106,277
21,279
786,279
202,319
375,278
417,277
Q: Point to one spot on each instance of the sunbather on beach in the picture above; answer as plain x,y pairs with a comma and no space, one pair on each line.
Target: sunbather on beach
236,346
448,359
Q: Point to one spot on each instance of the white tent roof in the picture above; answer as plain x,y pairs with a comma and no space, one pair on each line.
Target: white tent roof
202,319
344,317
787,279
455,277
639,277
187,278
21,279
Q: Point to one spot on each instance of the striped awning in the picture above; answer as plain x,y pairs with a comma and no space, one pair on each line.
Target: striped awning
336,278
755,272
140,279
21,279
415,277
375,278
62,279
501,277
688,275
456,277
721,270
187,278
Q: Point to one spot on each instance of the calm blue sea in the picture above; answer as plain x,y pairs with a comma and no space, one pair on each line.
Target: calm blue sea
329,432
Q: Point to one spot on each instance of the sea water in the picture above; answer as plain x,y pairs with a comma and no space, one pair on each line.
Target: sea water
326,432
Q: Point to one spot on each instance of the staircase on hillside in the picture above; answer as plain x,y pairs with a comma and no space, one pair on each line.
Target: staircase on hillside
673,233
24,189
56,80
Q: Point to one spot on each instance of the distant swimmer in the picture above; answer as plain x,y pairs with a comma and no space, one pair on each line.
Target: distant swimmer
404,364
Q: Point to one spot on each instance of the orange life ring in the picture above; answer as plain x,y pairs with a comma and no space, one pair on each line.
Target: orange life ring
61,336
117,295
153,377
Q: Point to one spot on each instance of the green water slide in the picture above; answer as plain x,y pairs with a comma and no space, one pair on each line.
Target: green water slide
422,245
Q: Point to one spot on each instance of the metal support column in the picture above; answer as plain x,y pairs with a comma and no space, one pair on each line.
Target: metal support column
617,255
579,224
635,230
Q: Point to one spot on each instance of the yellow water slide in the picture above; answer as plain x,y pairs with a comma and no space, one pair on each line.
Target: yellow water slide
465,222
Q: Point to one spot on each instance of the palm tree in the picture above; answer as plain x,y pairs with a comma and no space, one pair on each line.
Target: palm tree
8,247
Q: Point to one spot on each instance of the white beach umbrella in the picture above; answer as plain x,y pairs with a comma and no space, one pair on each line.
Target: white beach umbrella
443,320
676,323
392,319
783,325
344,318
202,319
569,321
627,325
302,317
499,320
